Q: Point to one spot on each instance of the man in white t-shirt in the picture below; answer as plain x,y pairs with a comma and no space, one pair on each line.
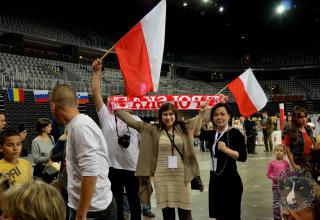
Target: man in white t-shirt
123,159
89,193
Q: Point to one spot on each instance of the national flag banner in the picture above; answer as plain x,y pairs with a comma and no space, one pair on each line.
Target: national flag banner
140,52
15,94
183,102
41,96
248,93
83,97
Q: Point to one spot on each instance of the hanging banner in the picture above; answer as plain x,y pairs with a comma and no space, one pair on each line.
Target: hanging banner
282,119
183,102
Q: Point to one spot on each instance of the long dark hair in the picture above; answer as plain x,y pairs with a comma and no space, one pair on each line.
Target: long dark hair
296,112
169,106
228,109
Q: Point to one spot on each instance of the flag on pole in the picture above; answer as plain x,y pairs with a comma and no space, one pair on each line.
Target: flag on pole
15,94
41,96
83,97
140,52
248,93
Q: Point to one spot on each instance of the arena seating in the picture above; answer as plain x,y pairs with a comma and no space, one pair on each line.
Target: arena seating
73,35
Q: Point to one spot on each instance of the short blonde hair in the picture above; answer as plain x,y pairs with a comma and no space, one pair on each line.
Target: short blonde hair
34,201
279,146
4,183
63,95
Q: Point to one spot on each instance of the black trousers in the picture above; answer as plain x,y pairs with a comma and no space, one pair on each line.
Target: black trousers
251,144
121,179
170,214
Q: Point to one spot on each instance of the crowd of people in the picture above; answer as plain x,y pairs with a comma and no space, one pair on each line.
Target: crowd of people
107,172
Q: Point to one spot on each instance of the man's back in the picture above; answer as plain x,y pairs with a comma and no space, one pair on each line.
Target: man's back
87,155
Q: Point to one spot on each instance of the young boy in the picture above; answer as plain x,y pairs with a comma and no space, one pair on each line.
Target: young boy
18,170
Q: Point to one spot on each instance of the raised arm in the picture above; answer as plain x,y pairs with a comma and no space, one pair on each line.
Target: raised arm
196,128
96,88
129,120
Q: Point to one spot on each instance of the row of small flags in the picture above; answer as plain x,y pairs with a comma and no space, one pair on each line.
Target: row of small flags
17,95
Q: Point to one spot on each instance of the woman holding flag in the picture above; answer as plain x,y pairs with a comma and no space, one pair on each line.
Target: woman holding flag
167,153
227,146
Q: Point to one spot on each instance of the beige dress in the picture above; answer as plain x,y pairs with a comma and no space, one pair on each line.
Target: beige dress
170,188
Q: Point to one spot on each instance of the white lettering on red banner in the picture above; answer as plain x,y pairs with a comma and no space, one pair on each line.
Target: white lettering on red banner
186,102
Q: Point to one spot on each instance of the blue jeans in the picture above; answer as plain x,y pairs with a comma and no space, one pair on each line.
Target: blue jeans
109,213
126,209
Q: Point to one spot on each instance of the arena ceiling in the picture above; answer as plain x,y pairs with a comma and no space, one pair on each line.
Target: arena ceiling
243,25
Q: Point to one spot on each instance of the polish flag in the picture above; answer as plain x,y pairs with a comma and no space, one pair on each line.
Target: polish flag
140,52
248,93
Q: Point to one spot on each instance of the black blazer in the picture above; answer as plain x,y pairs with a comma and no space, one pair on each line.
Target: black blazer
234,140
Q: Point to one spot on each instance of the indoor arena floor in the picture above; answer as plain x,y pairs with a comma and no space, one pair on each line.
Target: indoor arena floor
257,195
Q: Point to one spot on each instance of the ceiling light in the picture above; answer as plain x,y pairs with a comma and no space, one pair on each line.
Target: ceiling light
280,9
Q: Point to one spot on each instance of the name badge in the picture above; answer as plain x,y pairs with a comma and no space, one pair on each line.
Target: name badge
172,162
214,164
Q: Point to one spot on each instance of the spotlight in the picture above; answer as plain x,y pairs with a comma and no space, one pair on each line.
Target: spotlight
280,9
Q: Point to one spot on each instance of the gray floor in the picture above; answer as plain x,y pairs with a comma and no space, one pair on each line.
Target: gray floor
257,195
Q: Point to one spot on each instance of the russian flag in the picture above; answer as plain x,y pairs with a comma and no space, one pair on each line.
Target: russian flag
15,95
140,52
41,95
83,97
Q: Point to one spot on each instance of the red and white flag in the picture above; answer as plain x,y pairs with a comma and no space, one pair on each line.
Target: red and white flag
140,52
248,93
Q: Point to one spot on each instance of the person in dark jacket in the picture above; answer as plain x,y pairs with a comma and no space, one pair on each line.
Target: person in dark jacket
250,132
227,146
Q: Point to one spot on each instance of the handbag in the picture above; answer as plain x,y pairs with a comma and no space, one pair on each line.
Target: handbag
52,168
196,182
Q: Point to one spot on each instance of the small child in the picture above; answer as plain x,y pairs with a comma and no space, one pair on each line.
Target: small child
33,201
18,170
274,169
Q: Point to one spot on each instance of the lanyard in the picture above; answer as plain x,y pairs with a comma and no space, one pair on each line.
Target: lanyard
171,140
216,139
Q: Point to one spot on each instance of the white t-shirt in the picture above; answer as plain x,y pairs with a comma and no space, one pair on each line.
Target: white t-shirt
87,155
120,158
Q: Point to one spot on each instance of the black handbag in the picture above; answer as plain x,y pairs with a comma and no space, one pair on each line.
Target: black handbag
196,182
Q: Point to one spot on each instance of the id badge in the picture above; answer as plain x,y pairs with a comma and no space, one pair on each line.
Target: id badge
214,164
172,162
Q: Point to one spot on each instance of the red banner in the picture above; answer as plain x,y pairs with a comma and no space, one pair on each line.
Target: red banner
184,102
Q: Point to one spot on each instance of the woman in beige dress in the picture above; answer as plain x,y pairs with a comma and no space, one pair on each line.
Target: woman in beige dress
167,153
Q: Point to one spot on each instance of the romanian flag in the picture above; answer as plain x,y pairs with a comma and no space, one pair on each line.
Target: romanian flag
15,95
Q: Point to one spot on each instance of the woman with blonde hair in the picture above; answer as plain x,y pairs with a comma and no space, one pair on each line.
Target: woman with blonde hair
33,201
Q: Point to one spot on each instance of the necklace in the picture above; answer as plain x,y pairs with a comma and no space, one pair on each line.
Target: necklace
225,162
